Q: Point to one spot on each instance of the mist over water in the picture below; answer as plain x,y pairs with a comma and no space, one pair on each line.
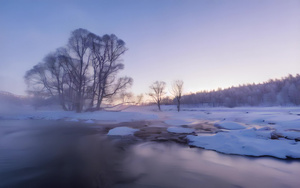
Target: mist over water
55,154
38,153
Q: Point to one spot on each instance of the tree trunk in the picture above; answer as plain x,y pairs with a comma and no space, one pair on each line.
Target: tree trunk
178,105
158,104
100,97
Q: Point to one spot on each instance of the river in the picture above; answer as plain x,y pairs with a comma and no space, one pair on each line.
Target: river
39,153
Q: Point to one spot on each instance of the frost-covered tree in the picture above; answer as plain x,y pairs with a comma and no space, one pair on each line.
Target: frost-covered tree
284,91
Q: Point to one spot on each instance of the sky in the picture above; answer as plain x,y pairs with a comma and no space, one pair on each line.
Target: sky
209,44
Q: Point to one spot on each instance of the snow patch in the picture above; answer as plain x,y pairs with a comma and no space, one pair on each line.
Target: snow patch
229,125
247,142
122,131
294,135
89,121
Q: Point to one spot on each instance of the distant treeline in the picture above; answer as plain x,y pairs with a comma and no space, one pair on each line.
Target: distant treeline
9,98
285,91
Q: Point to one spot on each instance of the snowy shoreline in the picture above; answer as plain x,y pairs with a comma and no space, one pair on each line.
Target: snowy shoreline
251,131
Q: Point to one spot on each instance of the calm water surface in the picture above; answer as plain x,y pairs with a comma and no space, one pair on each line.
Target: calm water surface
66,154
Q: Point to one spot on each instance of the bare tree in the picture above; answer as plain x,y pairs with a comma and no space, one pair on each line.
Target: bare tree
79,48
82,74
106,63
139,99
50,78
158,92
177,88
37,81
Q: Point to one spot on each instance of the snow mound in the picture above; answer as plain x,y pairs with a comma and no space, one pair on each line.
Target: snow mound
295,124
121,131
89,121
294,135
247,142
229,125
180,130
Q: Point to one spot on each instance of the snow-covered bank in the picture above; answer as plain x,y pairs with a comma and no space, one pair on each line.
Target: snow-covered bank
87,117
250,142
255,131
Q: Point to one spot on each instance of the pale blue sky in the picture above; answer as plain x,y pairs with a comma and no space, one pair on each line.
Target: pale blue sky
208,44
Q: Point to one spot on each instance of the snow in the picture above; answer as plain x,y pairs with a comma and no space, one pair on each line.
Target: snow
89,121
247,130
180,130
121,131
102,116
229,125
290,135
247,142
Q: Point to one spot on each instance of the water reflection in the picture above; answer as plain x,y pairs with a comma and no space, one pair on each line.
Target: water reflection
173,165
56,154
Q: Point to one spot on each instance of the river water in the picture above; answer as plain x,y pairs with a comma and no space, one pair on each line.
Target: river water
36,153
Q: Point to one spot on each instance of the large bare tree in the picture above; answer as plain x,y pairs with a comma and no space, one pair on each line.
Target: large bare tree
83,73
177,88
157,92
81,57
106,53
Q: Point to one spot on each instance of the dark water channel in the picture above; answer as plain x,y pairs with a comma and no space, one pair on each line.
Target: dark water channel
66,154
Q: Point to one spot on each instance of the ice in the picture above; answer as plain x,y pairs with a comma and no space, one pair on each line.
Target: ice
121,131
229,125
180,130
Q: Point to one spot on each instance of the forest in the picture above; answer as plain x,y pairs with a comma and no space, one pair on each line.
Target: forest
275,92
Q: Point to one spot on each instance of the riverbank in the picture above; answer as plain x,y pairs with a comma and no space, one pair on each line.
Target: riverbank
251,131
